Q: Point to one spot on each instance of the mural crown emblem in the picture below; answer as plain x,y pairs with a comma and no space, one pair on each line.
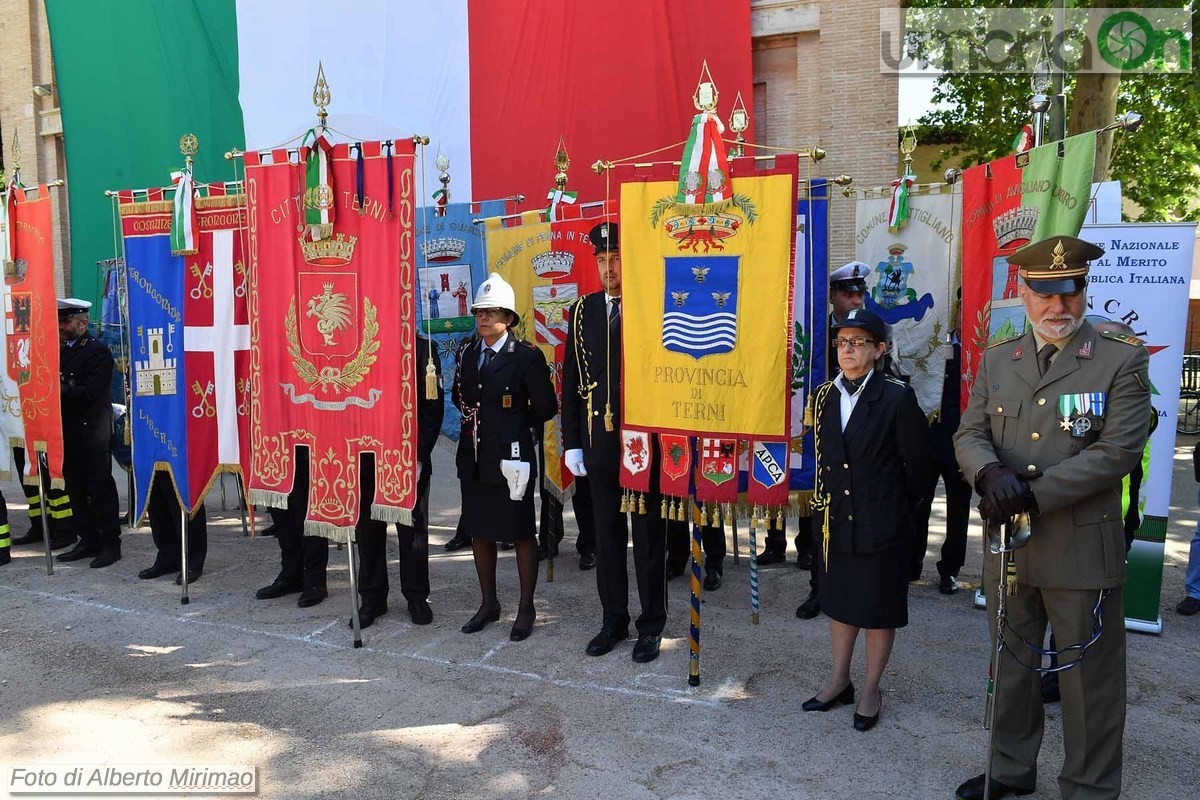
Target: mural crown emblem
16,269
444,248
1015,224
334,252
555,262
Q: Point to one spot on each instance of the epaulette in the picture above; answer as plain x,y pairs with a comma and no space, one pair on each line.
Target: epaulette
1124,338
1006,341
528,344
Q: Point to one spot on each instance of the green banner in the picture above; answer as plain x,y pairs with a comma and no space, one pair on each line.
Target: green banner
133,77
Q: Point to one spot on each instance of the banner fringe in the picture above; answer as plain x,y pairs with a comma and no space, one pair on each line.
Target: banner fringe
265,497
561,495
340,534
220,201
146,207
383,513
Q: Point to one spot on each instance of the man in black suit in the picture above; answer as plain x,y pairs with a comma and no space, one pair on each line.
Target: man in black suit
85,378
413,538
958,491
591,421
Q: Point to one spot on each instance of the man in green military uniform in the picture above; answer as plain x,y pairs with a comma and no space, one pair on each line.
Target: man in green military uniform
1057,418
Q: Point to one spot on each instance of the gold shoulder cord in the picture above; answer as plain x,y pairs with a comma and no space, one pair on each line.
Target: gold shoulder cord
582,367
821,500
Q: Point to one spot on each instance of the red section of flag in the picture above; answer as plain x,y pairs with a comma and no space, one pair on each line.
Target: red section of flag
217,349
988,191
35,315
615,79
332,339
717,471
676,466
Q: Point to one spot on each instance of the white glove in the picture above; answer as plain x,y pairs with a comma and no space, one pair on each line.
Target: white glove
574,461
517,474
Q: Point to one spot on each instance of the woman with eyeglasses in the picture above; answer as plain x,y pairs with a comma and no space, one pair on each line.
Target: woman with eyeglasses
873,463
502,387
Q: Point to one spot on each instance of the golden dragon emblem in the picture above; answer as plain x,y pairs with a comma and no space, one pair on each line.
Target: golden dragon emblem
332,312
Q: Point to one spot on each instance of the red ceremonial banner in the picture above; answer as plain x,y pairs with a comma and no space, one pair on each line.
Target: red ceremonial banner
332,332
217,344
31,320
675,469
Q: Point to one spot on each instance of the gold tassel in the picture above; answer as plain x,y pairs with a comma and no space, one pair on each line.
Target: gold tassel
779,519
663,513
641,504
431,380
809,416
608,418
679,505
1010,577
624,502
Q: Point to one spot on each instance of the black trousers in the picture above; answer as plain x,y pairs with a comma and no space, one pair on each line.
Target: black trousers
93,492
550,521
777,536
303,559
649,555
163,509
958,515
371,535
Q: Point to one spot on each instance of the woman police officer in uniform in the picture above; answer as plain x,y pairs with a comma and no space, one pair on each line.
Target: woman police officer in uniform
502,387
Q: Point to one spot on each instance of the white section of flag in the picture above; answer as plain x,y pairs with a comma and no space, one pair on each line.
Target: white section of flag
394,70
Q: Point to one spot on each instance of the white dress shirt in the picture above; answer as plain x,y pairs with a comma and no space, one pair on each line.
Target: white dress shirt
849,401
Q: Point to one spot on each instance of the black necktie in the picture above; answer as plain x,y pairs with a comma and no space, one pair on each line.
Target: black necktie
488,355
1044,355
614,313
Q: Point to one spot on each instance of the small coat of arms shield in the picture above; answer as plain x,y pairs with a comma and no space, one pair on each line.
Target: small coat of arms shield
635,451
700,304
18,306
769,466
718,460
329,313
550,307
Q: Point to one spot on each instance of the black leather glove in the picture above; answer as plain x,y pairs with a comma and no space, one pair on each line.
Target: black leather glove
1005,494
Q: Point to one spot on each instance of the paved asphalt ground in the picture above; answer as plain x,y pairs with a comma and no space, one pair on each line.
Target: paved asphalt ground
99,668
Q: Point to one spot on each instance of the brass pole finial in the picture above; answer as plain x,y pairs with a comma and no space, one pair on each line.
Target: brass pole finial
15,151
321,96
561,162
908,145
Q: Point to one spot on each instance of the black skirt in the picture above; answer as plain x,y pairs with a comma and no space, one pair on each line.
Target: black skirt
488,512
868,590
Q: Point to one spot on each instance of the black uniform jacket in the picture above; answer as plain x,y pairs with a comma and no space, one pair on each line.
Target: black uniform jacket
501,406
430,411
593,355
86,373
876,472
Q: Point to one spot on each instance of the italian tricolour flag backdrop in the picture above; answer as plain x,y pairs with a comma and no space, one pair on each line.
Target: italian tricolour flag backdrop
493,83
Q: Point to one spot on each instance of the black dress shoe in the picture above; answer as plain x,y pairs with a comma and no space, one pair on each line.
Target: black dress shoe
772,555
587,561
804,560
864,723
193,576
519,632
505,545
675,570
810,607
843,698
712,579
604,641
459,542
973,790
646,648
481,619
420,612
277,589
31,536
311,597
1049,688
5,556
79,552
156,570
948,584
106,558
59,542
367,615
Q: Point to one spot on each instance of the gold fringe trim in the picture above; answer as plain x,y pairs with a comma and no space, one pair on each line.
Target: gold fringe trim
146,207
222,469
561,495
384,513
334,533
265,497
220,201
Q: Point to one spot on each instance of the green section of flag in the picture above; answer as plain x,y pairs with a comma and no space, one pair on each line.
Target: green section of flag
1059,186
133,77
1143,586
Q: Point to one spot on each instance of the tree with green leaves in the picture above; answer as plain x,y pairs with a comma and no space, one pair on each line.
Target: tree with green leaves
1159,165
